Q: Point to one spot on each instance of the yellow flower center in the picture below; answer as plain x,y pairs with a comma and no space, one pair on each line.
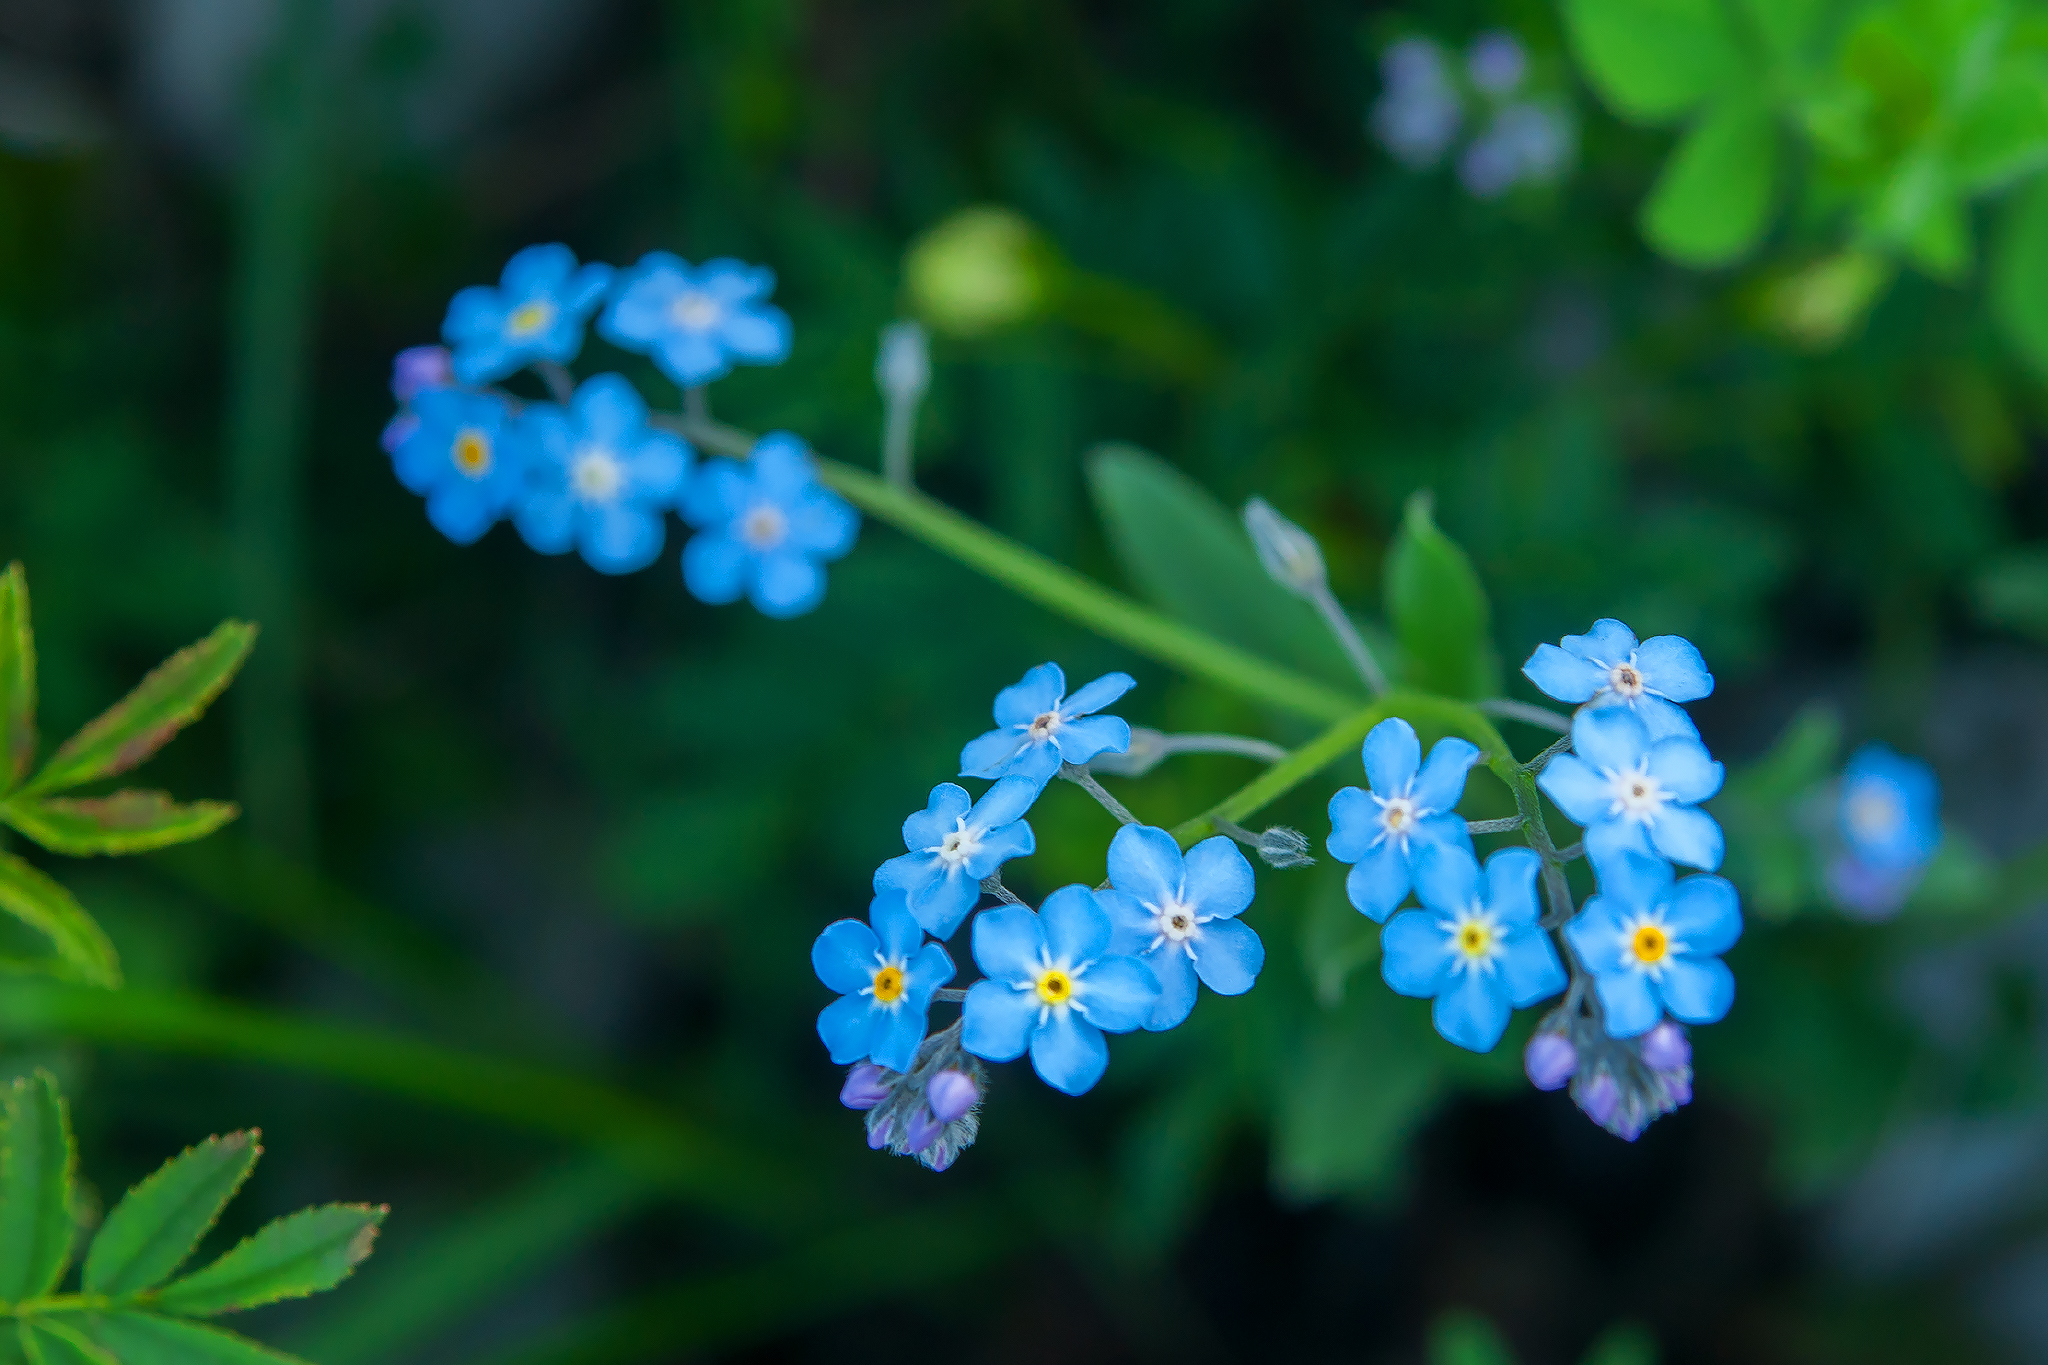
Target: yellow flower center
888,984
1475,939
1055,987
472,452
1650,943
532,316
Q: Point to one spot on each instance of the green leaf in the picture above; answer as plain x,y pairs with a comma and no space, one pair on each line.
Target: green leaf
2019,274
125,822
158,1223
1712,202
1350,1096
300,1254
17,678
1438,609
2002,134
36,1164
1789,28
1464,1338
1652,60
52,1341
48,908
146,1339
166,701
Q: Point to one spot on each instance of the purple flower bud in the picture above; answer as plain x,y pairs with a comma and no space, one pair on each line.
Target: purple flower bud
1664,1048
921,1131
1678,1085
420,367
943,1159
1600,1097
878,1135
864,1088
1550,1060
951,1094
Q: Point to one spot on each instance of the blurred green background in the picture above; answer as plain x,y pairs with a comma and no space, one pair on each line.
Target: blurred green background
499,805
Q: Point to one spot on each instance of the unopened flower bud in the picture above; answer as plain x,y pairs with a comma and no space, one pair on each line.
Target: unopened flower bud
1284,847
418,368
921,1130
942,1159
878,1134
1289,553
1550,1059
1600,1098
865,1087
1664,1048
1678,1085
903,365
951,1094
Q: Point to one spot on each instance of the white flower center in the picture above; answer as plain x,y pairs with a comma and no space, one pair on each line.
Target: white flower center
1176,924
1647,944
958,846
764,526
596,475
1473,936
696,311
1043,725
1874,813
1398,817
1627,680
1637,795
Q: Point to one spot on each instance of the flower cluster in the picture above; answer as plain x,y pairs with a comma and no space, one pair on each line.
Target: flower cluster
1520,138
1888,821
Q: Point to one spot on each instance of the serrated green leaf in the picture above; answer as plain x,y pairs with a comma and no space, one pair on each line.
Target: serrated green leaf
300,1254
36,1163
1652,60
158,1223
2019,274
50,910
146,1339
166,701
17,678
1712,200
124,822
1439,610
52,1341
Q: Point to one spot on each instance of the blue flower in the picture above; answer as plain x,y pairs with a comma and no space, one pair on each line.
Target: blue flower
1053,985
885,977
416,369
1476,947
1410,806
536,313
767,526
1891,809
1040,727
467,455
1631,793
601,478
1178,916
696,322
1606,667
952,847
1654,945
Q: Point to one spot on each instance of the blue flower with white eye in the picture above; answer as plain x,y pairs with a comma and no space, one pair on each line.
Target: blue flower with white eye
954,844
1606,667
537,312
1476,946
696,320
767,528
1891,809
1633,793
1411,805
1054,986
602,477
1654,944
1040,727
467,455
885,976
1178,916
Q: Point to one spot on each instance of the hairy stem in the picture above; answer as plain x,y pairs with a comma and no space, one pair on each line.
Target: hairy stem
1503,825
899,440
1540,716
992,884
1347,635
1079,775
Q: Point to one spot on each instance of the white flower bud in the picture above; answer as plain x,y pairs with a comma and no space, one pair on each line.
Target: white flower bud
1283,847
1289,553
903,365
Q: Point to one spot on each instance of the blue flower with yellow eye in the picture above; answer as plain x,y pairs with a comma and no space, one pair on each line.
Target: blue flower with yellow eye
767,529
601,477
536,312
467,455
885,974
695,321
1476,947
1654,944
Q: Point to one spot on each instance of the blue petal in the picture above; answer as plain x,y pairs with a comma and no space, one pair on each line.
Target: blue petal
1686,834
657,468
473,314
1663,719
1609,839
1229,956
536,269
689,358
897,1035
1414,956
844,956
944,901
1441,782
461,511
1036,693
715,567
1096,695
716,495
1146,863
1379,882
1354,824
585,289
1595,934
941,816
1217,879
1705,915
609,408
1608,737
547,522
998,846
785,585
1472,1012
998,1020
1446,878
1117,993
1511,885
1081,740
1672,666
930,969
1036,762
733,281
896,930
1697,990
1568,677
481,361
619,539
1608,642
1176,977
1628,1003
1009,943
823,524
1131,926
1004,802
1633,881
1392,755
783,469
985,755
1069,1053
1076,928
1683,767
1529,969
761,334
1577,789
847,1028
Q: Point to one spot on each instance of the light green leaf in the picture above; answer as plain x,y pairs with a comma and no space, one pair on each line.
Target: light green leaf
1438,609
2002,134
52,1341
146,1339
1336,941
2012,591
1465,1338
125,822
17,678
36,1164
1789,28
300,1254
2019,274
1712,201
158,1223
166,701
48,908
1652,60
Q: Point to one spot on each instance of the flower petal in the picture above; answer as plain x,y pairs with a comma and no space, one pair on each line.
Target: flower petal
998,1020
1379,882
1392,755
1511,885
1076,928
1131,926
1687,834
930,969
1354,824
1177,989
1595,934
847,1028
944,901
1081,740
782,467
1446,831
998,846
1609,839
689,358
716,495
1146,863
1037,762
985,755
1031,696
1009,942
844,956
1004,802
941,816
761,333
785,585
1608,642
657,467
461,511
1663,719
907,872
618,538
1217,878
1228,956
1683,767
1697,990
1116,993
1446,878
1414,958
1441,782
1577,789
823,524
1069,1053
1473,1012
898,1033
896,929
536,269
1633,882
1608,737
1093,696
1529,969
1628,1002
547,522
1704,914
1672,666
1567,677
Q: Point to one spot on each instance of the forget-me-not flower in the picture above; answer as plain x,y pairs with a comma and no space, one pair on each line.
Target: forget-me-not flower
1654,945
602,477
885,976
1631,793
536,312
1891,808
1475,947
1178,916
696,320
1054,986
1040,727
954,843
468,455
1607,667
1410,806
767,528
1418,113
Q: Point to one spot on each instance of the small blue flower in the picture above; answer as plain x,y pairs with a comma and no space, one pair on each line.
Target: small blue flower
1634,794
602,477
1178,916
467,455
416,369
1417,115
1054,985
1476,947
1040,727
1606,667
953,846
696,321
1654,945
767,528
885,977
1410,806
1891,809
536,313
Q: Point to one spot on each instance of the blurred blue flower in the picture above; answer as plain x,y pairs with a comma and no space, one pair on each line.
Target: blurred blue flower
696,321
467,455
602,477
1418,111
1527,141
885,976
1178,916
954,844
1891,808
1606,667
536,313
1654,945
416,369
1476,946
766,528
1410,806
1496,62
1632,794
1054,985
1040,727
